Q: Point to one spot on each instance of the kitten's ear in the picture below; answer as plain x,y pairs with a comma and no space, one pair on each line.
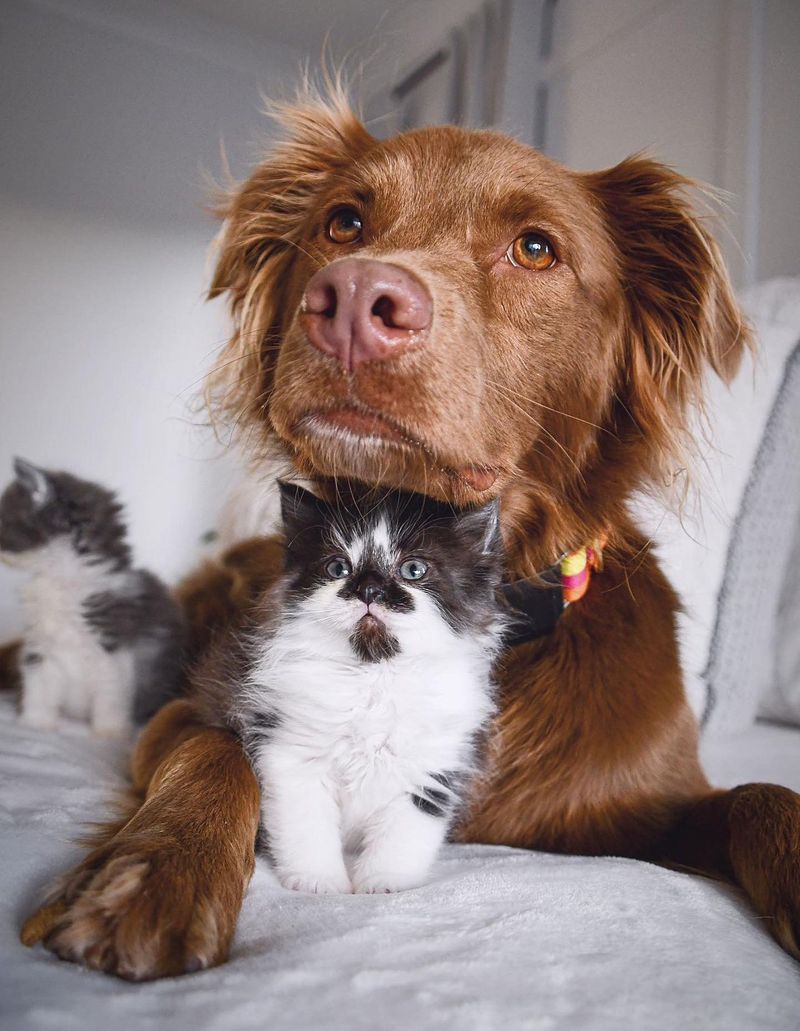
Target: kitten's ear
35,481
300,509
481,526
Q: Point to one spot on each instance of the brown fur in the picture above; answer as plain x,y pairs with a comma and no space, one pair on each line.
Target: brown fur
9,666
562,391
215,595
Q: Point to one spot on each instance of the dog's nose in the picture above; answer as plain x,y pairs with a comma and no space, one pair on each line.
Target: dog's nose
360,310
369,589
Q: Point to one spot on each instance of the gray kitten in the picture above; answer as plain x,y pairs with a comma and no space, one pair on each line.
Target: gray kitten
103,641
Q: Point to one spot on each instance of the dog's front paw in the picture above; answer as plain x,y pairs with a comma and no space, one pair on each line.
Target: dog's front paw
138,914
764,827
316,882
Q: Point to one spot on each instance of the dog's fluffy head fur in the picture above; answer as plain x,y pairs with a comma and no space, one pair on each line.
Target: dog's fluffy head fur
561,389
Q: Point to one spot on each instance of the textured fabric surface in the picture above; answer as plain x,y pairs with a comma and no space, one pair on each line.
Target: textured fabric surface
766,752
499,938
741,671
781,700
694,546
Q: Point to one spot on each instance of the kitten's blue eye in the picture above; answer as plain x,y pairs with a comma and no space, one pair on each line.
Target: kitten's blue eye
413,569
338,568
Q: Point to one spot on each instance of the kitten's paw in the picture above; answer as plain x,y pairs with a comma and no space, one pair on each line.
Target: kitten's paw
114,729
39,719
383,882
317,883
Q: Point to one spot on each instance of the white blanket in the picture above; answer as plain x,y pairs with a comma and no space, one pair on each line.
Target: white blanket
500,939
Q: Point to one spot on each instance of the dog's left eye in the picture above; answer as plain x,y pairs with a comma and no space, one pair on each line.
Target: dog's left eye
338,568
413,569
532,251
344,226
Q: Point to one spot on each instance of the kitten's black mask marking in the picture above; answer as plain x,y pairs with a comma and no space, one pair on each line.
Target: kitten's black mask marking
461,550
39,506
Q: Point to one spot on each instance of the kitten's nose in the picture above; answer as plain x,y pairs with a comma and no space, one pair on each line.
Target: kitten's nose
369,589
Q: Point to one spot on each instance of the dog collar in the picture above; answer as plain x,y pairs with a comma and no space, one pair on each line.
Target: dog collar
535,607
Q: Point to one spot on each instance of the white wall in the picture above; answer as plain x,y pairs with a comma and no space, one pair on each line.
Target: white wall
778,239
110,115
711,87
654,76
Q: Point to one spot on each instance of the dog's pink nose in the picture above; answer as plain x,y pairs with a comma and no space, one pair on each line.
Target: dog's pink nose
359,310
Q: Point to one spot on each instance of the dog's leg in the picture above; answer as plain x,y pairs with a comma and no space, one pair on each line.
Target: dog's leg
160,893
751,836
9,666
595,752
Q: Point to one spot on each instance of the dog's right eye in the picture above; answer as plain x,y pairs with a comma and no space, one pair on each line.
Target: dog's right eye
532,251
344,226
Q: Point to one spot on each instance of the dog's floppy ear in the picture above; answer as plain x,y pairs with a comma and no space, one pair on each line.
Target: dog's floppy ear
680,314
264,219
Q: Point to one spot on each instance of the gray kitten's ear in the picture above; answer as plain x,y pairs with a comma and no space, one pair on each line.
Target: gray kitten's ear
491,537
300,509
36,481
482,526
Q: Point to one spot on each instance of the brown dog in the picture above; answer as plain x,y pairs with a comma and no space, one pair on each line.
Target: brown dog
452,312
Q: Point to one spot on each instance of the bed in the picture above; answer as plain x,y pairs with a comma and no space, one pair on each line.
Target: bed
498,938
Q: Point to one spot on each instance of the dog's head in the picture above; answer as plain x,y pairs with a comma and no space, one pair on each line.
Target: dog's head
452,312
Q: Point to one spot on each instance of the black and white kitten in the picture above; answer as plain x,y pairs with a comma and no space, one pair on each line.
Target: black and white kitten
102,641
362,698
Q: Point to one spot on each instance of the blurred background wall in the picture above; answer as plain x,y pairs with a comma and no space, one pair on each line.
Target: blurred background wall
112,110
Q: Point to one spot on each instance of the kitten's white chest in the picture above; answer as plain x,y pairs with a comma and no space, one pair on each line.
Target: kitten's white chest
378,730
66,664
53,610
54,594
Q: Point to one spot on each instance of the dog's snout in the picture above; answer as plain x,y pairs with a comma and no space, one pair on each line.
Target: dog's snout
360,310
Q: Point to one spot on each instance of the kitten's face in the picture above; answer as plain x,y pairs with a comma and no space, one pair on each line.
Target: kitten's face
390,573
39,507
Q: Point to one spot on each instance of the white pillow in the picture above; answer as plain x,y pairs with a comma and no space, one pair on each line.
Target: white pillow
781,699
694,549
744,653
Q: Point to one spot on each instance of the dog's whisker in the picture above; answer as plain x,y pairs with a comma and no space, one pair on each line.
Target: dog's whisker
508,391
543,429
316,259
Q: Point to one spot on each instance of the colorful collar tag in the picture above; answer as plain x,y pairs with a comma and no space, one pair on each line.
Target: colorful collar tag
535,608
577,567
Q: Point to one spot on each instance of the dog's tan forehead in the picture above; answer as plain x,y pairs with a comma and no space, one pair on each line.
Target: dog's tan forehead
447,175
